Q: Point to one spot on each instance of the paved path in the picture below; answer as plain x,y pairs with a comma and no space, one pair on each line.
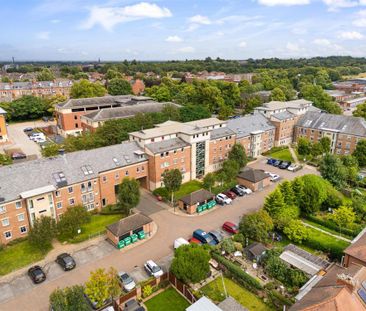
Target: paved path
169,227
326,232
294,155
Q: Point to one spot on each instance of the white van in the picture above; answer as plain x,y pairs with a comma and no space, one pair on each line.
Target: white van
179,242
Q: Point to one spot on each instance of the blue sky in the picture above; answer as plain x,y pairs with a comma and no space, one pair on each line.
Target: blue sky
180,29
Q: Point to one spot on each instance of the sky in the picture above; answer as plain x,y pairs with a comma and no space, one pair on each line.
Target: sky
180,29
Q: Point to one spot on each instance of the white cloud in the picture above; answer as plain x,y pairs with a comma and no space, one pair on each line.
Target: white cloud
108,17
187,49
283,2
334,5
350,35
299,31
326,44
174,39
43,35
322,42
360,19
199,19
293,47
242,44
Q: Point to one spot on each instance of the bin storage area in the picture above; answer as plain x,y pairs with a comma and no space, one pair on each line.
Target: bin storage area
197,201
129,230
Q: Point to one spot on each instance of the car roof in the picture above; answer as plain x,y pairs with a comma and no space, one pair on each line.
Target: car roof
229,223
151,263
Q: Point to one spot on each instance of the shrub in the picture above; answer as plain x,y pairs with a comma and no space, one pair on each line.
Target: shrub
147,291
228,246
110,210
248,281
161,192
296,231
278,300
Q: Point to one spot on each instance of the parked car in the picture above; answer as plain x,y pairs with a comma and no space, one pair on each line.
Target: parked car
28,129
230,194
203,237
94,304
194,241
277,163
244,189
216,235
271,161
273,177
18,156
237,191
126,281
294,167
179,242
223,199
35,136
153,269
36,274
133,305
284,165
66,261
230,227
40,140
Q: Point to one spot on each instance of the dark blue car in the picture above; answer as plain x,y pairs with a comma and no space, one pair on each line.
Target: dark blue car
203,237
271,161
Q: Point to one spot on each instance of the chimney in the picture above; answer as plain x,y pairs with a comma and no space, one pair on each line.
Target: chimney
347,280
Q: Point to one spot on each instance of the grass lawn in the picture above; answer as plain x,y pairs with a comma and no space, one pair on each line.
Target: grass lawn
326,229
19,255
284,155
96,225
215,292
167,300
187,188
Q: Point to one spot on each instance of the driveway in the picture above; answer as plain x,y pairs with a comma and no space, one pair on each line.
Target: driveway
170,226
18,139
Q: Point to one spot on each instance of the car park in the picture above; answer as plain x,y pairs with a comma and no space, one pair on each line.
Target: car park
36,274
237,191
223,199
35,136
230,194
216,235
230,227
294,167
179,242
203,237
153,269
284,165
66,261
18,156
126,281
244,189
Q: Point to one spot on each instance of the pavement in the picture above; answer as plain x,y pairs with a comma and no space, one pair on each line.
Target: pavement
20,294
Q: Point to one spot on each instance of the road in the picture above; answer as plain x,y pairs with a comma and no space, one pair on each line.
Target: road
169,227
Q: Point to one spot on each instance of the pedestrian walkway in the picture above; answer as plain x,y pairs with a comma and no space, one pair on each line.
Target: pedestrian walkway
294,155
326,232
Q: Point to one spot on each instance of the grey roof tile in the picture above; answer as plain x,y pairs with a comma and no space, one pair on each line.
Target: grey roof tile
166,145
250,123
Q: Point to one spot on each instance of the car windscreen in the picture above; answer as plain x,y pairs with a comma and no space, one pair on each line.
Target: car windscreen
155,269
126,278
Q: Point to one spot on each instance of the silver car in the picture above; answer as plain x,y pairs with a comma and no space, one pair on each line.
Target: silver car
127,281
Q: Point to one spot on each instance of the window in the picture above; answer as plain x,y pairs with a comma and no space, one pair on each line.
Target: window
126,173
18,205
71,201
23,229
137,169
5,222
75,117
70,189
21,217
90,188
104,202
116,176
76,125
59,204
2,209
57,193
161,154
142,168
104,179
7,234
83,189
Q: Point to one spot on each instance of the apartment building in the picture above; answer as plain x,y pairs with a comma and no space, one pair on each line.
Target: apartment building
47,187
91,121
343,131
69,113
14,90
296,107
3,128
284,123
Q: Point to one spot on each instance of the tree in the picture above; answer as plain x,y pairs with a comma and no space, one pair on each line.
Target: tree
128,194
256,226
296,231
228,246
52,101
113,74
85,89
314,193
193,112
250,103
297,187
69,299
316,149
230,169
350,164
209,181
325,143
50,150
42,233
190,263
360,111
303,147
360,153
171,111
71,221
172,181
225,111
278,95
102,286
274,202
45,75
287,192
282,218
332,169
118,86
237,153
25,108
344,217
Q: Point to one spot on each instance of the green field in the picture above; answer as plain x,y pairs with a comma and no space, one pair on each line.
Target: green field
215,291
17,256
284,155
187,188
168,300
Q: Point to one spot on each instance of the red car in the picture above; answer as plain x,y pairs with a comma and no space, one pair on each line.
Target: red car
194,241
230,227
230,194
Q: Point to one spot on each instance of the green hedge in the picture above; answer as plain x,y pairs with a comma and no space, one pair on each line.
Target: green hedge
245,279
278,300
331,225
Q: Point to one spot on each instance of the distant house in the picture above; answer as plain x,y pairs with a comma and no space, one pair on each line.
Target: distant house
253,179
193,201
256,251
356,252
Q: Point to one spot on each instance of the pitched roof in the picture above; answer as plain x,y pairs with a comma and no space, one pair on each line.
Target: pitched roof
203,304
221,132
357,249
166,145
285,115
128,224
333,122
297,103
198,196
257,249
253,175
230,304
41,172
2,111
248,124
